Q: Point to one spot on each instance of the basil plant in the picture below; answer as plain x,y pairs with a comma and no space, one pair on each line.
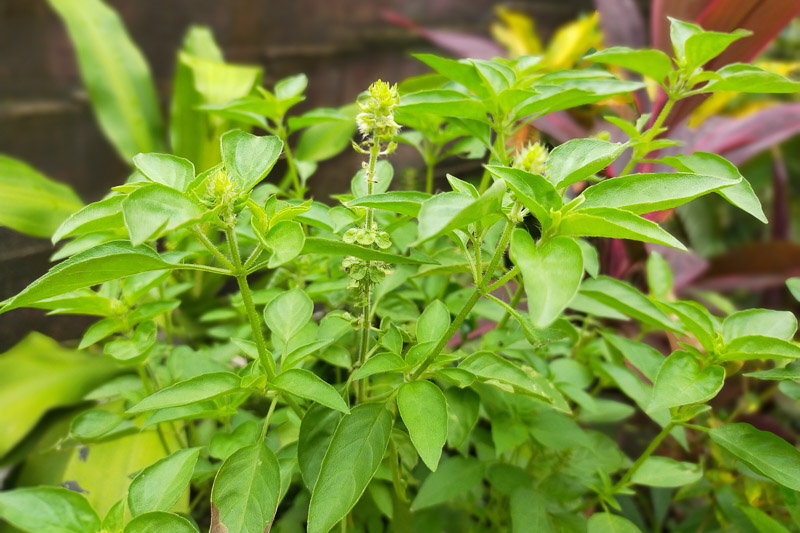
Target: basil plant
407,360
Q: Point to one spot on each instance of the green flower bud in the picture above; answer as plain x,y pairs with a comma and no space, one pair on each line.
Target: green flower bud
532,158
377,112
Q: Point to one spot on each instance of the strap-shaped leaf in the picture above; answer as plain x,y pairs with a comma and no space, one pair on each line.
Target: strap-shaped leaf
105,215
32,203
751,79
116,75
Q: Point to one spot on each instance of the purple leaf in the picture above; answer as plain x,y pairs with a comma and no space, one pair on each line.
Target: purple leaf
457,43
622,23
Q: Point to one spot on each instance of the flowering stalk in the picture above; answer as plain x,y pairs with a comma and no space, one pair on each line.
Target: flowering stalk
376,123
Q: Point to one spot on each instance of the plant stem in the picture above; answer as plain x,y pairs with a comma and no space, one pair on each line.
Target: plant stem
474,297
651,133
267,418
211,247
253,256
512,304
502,281
428,178
249,306
642,458
366,313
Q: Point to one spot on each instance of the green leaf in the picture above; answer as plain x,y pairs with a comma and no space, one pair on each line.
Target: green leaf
116,75
644,357
285,240
761,520
433,322
32,203
694,47
532,190
193,390
552,273
188,126
154,209
136,349
378,364
245,494
443,213
98,216
615,223
463,408
172,171
659,275
306,384
578,159
644,193
423,409
654,64
37,375
659,471
323,141
319,115
696,319
288,313
626,299
682,381
490,366
610,523
112,260
443,102
759,347
291,87
384,172
354,454
158,522
751,79
316,431
762,451
248,158
790,372
317,245
96,425
741,195
403,202
462,72
159,486
765,322
48,510
455,476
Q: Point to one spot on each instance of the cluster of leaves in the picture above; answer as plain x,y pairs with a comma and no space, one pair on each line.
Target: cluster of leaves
270,362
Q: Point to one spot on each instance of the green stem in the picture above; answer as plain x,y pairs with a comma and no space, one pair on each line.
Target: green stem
512,304
473,299
204,268
253,256
428,177
642,458
211,247
505,279
267,418
247,297
651,133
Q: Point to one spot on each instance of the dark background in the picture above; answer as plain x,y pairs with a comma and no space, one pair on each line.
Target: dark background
342,45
